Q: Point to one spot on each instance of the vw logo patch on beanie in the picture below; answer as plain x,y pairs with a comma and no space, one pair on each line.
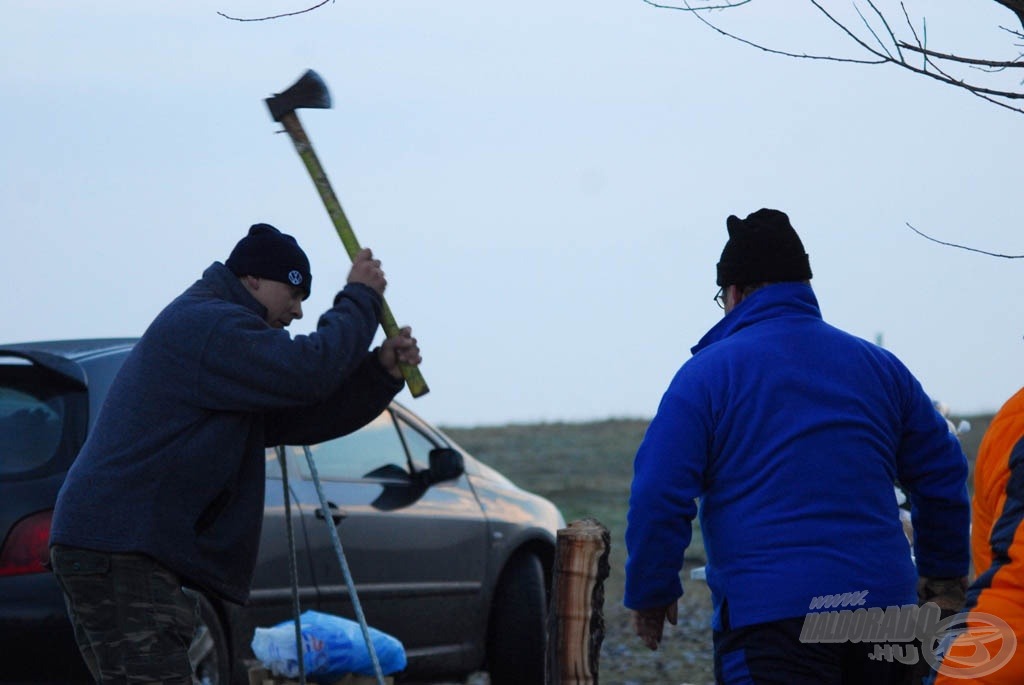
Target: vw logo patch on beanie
267,253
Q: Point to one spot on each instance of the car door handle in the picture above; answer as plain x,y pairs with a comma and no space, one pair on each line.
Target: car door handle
336,514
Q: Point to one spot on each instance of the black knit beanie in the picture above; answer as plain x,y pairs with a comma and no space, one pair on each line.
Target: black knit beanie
268,253
763,248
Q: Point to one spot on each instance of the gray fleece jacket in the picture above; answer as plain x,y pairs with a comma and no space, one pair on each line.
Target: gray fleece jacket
174,467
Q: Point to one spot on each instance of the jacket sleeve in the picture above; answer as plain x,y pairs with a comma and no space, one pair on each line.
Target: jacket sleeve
933,469
668,473
359,400
248,366
998,506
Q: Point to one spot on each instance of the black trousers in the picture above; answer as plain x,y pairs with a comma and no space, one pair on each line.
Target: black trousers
771,653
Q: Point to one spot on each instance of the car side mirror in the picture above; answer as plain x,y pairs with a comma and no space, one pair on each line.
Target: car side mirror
445,464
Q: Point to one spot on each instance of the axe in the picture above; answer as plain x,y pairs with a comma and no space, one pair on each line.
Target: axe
311,92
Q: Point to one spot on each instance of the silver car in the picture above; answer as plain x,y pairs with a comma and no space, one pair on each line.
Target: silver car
447,554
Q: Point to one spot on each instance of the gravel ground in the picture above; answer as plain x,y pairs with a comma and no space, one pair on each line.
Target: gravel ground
684,657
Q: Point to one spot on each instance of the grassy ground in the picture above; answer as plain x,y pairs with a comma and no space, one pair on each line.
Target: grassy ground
586,468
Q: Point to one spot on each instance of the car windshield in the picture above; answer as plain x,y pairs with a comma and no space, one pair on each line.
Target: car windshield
38,428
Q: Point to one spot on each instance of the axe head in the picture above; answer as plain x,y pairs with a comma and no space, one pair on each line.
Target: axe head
309,92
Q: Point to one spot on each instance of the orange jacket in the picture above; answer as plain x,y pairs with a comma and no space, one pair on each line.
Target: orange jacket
997,545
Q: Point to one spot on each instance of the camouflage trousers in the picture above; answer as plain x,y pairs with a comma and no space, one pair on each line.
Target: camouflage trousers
133,624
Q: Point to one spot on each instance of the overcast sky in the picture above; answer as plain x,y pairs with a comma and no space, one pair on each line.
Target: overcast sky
546,182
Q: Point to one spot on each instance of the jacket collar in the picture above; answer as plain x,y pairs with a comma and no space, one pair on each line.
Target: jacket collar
769,302
225,285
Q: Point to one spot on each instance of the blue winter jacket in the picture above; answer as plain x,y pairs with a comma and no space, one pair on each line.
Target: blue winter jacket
792,433
174,467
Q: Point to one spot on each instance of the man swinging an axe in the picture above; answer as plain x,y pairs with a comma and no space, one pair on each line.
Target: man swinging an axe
168,489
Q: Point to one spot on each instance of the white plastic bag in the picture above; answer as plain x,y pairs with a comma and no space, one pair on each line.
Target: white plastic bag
332,646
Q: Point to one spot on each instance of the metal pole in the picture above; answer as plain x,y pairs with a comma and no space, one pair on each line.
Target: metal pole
336,541
292,565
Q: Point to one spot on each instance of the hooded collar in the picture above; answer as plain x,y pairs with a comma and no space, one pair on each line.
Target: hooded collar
771,301
225,285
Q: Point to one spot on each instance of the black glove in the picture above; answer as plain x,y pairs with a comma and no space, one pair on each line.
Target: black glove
949,594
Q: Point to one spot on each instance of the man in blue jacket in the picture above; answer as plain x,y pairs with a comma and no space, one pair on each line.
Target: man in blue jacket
791,433
168,488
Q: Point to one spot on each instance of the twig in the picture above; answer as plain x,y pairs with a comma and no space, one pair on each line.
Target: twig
963,247
278,16
878,40
728,5
924,46
885,23
773,51
910,24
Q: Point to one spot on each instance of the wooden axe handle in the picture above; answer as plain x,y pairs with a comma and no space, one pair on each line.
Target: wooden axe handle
291,123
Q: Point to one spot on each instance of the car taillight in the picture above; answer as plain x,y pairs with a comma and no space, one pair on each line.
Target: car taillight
27,546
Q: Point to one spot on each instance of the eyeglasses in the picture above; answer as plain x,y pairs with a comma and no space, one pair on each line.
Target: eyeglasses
720,298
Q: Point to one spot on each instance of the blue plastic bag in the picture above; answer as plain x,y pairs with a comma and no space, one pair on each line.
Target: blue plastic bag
332,646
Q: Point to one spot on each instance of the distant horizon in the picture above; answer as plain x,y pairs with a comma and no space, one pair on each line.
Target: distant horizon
411,403
626,419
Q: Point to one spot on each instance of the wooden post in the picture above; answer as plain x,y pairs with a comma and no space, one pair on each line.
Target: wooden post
575,620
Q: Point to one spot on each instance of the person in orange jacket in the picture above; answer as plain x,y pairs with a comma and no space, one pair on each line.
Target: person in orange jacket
991,651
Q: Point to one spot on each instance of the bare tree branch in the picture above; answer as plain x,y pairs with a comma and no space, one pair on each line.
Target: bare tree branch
728,5
881,45
774,51
1013,32
888,29
962,247
1016,63
910,25
278,16
888,48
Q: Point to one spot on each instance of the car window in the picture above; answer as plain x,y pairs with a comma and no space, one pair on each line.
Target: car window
39,425
273,466
373,451
30,430
419,445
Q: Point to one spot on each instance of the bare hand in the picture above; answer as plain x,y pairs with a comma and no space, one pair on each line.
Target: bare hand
366,270
400,348
650,623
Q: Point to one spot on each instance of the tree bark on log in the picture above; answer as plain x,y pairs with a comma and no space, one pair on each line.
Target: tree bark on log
576,618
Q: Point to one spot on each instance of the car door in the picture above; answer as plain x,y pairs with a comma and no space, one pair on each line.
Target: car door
270,600
417,553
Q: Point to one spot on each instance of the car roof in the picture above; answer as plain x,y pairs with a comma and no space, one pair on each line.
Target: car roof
67,357
74,350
